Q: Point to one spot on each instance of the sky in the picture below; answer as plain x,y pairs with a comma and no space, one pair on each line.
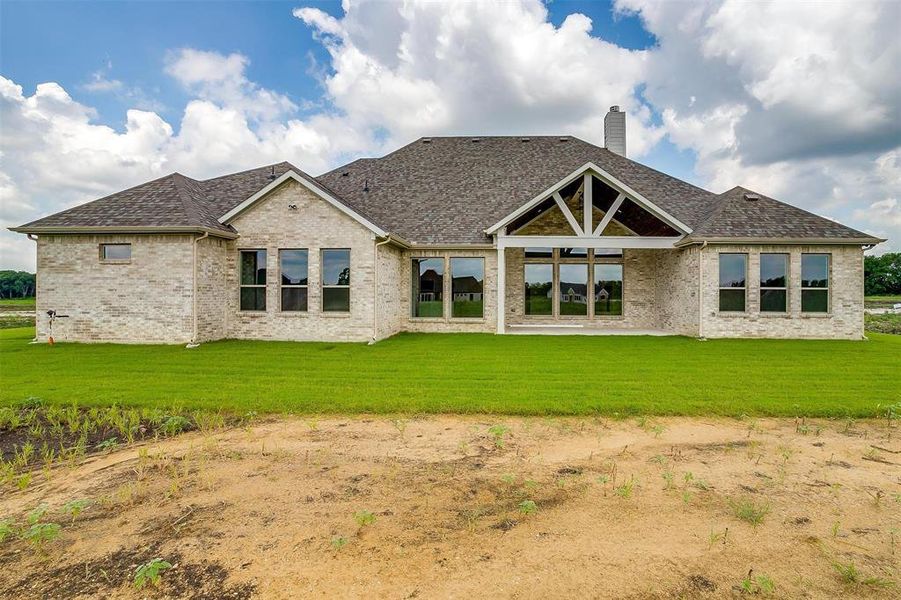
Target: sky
799,101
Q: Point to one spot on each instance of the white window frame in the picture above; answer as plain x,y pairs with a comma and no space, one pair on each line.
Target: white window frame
828,288
787,257
323,286
282,286
102,253
721,288
265,286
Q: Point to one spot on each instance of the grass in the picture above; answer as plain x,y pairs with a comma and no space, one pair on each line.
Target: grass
468,373
886,323
17,303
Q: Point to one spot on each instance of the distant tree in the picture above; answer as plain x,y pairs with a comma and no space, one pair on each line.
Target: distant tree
16,284
882,274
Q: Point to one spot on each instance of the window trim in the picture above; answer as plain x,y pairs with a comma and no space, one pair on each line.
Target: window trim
720,288
828,288
101,248
282,286
762,288
323,286
450,312
265,286
555,260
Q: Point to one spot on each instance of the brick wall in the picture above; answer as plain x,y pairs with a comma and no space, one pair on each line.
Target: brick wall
844,321
212,288
147,299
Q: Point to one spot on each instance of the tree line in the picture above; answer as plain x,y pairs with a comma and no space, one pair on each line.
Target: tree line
882,274
16,284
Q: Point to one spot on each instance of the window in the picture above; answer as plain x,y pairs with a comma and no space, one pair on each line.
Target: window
539,281
573,290
253,280
115,252
773,282
608,289
293,265
573,252
539,252
467,287
815,283
428,287
336,280
733,276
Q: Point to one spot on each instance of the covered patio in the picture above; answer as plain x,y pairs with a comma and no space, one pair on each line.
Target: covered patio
586,257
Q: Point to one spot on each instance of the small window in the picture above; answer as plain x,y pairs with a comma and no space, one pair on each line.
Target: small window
608,289
428,287
115,252
539,282
773,283
467,287
253,280
815,283
733,282
294,267
336,280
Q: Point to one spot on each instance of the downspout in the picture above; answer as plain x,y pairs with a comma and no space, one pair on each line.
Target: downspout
375,290
701,290
193,343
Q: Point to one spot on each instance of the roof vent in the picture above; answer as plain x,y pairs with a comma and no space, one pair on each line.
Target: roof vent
475,140
272,176
426,140
752,197
525,139
366,185
563,139
345,174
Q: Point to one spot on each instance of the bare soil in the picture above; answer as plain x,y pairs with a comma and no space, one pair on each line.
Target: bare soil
441,507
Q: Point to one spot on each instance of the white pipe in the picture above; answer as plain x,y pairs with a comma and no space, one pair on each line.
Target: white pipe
205,235
375,290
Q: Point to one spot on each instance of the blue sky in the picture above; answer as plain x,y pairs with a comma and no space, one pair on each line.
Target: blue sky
208,87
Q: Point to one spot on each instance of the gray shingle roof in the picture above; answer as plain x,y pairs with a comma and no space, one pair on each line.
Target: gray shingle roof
448,190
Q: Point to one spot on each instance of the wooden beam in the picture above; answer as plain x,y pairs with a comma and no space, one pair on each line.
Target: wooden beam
568,214
585,241
609,216
586,204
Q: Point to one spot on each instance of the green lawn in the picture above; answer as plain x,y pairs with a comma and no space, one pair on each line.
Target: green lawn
17,303
468,373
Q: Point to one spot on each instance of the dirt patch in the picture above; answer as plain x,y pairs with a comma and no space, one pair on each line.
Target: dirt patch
463,506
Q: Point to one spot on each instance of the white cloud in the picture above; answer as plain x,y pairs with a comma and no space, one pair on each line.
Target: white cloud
798,100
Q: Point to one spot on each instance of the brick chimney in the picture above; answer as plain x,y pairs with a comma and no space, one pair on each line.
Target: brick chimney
615,131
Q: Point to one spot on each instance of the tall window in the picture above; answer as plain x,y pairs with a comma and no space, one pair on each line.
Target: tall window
733,282
253,280
467,287
539,283
815,283
293,265
336,280
573,290
428,287
608,289
773,282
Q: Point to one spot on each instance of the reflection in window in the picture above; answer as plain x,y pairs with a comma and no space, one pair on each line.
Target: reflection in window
428,287
467,287
253,280
573,290
733,281
773,282
336,280
608,289
293,265
573,252
815,283
539,281
539,252
113,252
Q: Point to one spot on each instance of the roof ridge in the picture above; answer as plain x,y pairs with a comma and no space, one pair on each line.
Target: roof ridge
188,203
282,162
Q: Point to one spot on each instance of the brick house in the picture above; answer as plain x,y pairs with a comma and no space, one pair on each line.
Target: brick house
446,234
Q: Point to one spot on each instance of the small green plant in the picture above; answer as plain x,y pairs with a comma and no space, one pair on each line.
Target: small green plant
759,585
23,481
174,425
36,514
497,433
668,479
338,542
364,518
508,478
40,533
150,572
848,573
108,444
528,507
717,537
835,528
750,512
625,490
75,507
7,529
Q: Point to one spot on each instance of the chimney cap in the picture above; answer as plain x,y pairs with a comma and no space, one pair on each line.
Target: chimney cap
614,108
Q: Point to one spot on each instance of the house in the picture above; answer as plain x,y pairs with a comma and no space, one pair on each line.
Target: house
446,234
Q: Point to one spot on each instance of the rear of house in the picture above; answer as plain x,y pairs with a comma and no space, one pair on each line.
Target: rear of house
451,234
